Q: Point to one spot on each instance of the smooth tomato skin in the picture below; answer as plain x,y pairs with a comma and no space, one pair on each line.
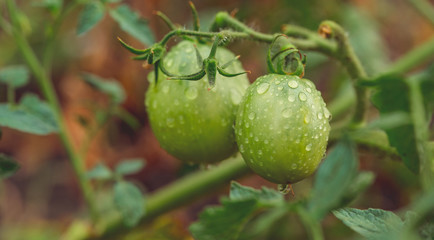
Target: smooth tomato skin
282,128
192,123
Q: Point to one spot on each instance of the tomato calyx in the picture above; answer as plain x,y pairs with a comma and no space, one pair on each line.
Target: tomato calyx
283,58
209,66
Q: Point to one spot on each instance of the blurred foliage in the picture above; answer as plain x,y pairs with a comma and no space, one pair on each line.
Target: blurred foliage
40,200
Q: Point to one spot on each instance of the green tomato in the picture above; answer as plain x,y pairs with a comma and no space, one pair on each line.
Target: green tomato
191,122
282,128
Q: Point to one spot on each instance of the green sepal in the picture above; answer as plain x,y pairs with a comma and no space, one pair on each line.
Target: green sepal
198,57
132,49
280,56
226,74
192,77
211,71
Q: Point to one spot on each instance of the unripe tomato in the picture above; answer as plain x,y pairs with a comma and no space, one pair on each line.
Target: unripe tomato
191,122
282,128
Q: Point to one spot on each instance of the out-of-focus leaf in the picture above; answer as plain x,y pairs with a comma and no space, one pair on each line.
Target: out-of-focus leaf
14,76
360,183
111,1
131,23
391,120
264,224
90,16
392,95
129,201
7,166
370,223
332,179
365,37
53,6
130,166
31,115
100,171
226,221
110,87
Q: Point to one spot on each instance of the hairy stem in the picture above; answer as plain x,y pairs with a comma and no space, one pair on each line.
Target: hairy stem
47,89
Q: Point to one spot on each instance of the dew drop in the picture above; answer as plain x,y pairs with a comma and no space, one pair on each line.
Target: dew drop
191,93
263,88
292,84
319,116
308,90
279,88
327,114
242,148
294,166
306,119
252,115
291,98
170,122
277,82
309,147
235,97
169,63
286,113
165,88
302,96
259,152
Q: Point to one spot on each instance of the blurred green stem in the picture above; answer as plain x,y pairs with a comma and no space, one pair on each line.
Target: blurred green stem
48,54
181,192
312,226
425,8
11,95
47,89
413,58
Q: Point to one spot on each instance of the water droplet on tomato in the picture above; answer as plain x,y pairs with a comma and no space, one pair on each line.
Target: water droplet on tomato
170,122
252,115
302,96
309,147
286,113
292,84
191,93
263,88
319,116
291,98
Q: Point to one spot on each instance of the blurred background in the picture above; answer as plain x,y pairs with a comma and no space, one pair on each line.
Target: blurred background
42,199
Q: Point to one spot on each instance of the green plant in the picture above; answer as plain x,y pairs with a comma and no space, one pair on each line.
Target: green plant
404,100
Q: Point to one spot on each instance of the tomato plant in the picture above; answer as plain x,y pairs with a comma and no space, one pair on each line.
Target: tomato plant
282,128
376,153
191,121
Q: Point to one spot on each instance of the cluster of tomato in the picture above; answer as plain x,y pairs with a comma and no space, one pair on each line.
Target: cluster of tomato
279,123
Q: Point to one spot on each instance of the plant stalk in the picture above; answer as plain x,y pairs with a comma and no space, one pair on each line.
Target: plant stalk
47,89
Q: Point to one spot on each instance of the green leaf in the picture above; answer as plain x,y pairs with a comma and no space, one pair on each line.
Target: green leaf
391,120
131,23
333,178
31,115
7,166
15,76
100,171
129,201
370,223
90,16
130,166
110,87
227,221
265,196
392,95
